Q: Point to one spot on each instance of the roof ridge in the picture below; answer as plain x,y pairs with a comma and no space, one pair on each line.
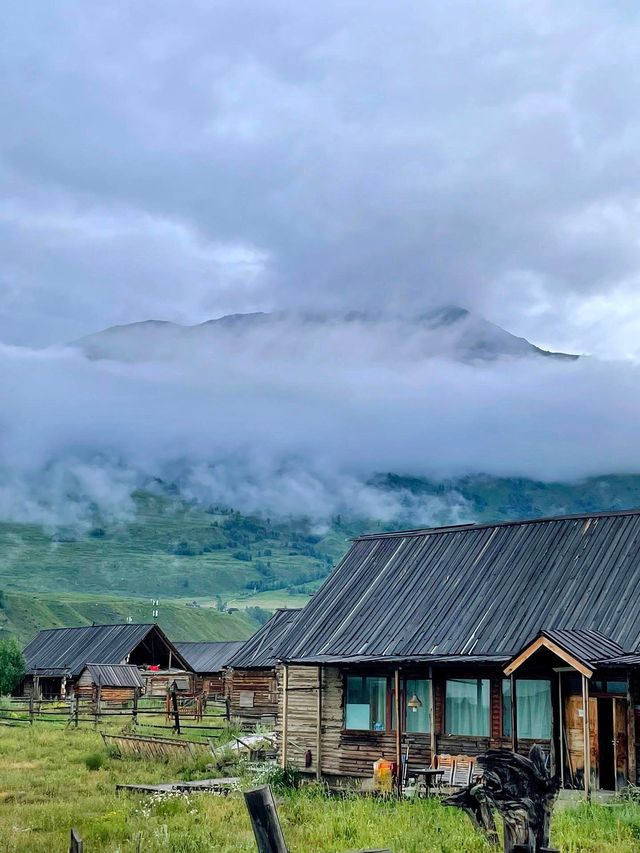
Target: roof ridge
100,625
473,525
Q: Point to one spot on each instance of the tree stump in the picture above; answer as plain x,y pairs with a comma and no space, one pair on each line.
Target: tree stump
520,790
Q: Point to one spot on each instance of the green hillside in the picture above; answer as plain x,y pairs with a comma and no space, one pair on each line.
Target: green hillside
23,614
180,552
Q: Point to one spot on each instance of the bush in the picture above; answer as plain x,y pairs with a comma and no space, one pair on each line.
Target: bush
94,760
12,666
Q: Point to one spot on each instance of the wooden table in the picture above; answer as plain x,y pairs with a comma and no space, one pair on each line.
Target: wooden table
430,775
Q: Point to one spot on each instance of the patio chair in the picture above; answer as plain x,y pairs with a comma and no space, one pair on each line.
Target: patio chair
446,763
462,771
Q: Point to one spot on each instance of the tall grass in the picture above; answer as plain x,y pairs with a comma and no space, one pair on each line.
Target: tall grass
46,786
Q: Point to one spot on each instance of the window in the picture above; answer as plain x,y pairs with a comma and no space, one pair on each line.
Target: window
467,706
533,699
417,705
601,685
366,706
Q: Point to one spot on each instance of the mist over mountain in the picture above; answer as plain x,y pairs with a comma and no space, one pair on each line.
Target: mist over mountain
448,331
297,415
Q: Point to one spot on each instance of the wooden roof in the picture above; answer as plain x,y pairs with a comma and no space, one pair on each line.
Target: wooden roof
476,590
209,657
263,650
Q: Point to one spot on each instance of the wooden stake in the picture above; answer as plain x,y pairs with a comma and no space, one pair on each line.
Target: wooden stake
432,717
561,729
264,820
514,715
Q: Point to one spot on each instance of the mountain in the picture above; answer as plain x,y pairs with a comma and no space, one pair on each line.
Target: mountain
448,331
183,553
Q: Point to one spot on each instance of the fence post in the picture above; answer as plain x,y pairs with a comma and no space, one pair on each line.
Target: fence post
98,700
31,708
174,705
76,844
264,820
134,713
76,708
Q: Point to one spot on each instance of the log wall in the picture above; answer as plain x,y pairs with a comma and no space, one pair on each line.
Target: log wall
252,696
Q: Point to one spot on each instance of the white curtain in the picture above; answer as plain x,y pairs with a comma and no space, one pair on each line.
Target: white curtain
418,720
533,700
467,707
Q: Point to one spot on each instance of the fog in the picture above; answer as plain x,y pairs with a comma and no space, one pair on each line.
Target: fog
295,419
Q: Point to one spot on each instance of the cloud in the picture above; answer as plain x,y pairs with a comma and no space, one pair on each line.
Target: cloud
470,152
299,420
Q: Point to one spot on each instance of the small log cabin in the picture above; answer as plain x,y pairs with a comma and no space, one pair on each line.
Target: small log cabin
57,658
250,676
208,660
455,640
109,682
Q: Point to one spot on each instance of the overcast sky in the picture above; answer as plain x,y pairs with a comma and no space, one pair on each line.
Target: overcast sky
185,160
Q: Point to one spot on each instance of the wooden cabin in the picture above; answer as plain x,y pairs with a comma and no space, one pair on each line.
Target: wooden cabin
455,640
109,682
57,658
208,660
250,677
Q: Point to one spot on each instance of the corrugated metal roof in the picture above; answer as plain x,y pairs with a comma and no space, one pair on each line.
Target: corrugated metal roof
208,657
477,590
631,660
70,649
586,646
115,675
262,650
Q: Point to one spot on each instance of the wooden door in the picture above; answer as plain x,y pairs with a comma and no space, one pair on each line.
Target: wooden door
620,744
574,732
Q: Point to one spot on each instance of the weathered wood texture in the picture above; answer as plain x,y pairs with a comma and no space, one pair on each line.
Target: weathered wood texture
520,790
252,695
76,844
153,747
264,820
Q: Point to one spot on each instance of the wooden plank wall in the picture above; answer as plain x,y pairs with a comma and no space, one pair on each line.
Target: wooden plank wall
352,753
257,684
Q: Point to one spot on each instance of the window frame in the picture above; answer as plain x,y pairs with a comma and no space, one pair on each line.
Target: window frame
509,734
390,722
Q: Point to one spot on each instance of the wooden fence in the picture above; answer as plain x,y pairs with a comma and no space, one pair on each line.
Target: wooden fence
157,713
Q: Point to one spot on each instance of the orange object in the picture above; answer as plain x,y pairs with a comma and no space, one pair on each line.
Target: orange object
383,775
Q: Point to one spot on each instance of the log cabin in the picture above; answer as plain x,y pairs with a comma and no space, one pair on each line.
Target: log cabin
458,639
208,660
57,658
109,682
250,676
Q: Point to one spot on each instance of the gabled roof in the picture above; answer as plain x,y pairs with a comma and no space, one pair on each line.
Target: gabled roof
115,675
208,657
580,649
264,649
477,590
68,650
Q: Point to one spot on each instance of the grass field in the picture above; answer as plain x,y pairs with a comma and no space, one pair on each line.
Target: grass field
46,786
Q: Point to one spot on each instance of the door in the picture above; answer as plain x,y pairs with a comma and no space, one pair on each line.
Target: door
620,743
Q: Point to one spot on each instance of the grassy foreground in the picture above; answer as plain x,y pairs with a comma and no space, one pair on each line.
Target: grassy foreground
46,786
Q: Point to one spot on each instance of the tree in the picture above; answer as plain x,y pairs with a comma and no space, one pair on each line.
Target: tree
12,666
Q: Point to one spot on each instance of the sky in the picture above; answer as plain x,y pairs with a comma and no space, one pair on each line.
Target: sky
180,162
203,158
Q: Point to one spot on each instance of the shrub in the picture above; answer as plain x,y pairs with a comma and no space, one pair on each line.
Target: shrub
94,760
12,666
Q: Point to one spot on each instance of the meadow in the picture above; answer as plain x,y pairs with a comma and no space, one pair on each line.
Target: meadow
52,778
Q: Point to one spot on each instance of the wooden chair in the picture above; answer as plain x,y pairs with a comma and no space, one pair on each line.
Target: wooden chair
446,763
462,771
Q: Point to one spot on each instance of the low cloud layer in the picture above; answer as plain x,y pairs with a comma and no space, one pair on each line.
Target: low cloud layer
300,425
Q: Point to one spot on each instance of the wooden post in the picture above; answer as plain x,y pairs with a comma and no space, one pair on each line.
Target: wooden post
396,680
585,730
285,714
264,820
514,715
319,732
432,717
175,710
76,709
134,712
561,729
31,708
76,844
98,701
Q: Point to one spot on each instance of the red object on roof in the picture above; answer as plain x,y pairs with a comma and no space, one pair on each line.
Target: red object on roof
154,668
